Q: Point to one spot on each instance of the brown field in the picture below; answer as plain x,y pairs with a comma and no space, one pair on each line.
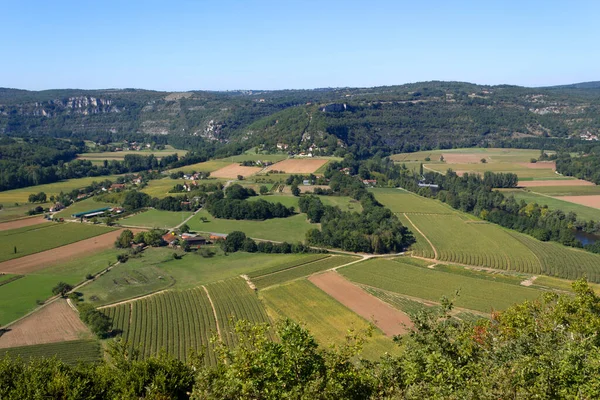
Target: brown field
298,165
57,322
21,223
566,182
390,320
458,158
233,170
540,165
38,261
586,200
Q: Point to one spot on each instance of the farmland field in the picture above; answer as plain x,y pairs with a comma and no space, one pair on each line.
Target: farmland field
566,205
235,301
206,166
177,322
290,229
567,190
22,222
70,352
37,238
327,320
82,206
250,156
298,165
283,266
475,293
402,201
522,171
475,243
495,155
11,212
591,201
421,247
301,271
22,195
120,155
232,171
156,219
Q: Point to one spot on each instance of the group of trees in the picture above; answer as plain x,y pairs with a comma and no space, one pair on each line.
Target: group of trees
96,320
547,348
252,210
587,167
238,241
152,238
135,200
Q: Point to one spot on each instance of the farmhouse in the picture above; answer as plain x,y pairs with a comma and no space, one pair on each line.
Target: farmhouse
170,238
117,186
193,240
217,236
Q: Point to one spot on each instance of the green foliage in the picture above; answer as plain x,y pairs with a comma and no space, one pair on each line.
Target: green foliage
98,322
124,240
62,289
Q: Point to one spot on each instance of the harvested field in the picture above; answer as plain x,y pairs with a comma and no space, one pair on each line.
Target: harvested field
590,200
57,322
566,182
20,223
390,320
233,170
458,158
38,261
298,165
540,165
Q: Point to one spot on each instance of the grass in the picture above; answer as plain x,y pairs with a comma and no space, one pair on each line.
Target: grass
206,166
160,187
326,319
46,236
475,243
248,156
291,229
22,195
566,190
583,212
10,212
120,155
81,206
294,263
421,247
522,171
157,219
561,284
475,292
176,322
495,154
301,271
402,201
70,352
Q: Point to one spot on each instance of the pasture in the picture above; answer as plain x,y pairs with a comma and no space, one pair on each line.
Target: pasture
327,320
235,301
10,212
290,229
180,323
160,187
22,195
37,238
301,271
566,205
156,219
475,243
70,352
298,165
402,201
474,292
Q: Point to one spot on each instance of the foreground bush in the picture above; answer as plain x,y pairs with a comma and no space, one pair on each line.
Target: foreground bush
543,349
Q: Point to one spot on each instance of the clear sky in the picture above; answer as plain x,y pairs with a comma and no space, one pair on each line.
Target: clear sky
225,45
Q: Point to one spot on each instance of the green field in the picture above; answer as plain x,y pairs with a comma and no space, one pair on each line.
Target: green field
235,301
301,271
583,212
291,229
249,156
326,319
402,201
475,243
46,236
11,212
283,266
156,219
22,195
160,187
523,172
566,190
476,292
70,352
82,206
120,155
421,247
177,322
207,166
494,154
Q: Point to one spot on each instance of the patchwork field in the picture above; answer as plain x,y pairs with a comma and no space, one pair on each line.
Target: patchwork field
56,322
290,229
232,171
475,291
156,219
298,165
70,352
15,243
588,201
327,319
566,204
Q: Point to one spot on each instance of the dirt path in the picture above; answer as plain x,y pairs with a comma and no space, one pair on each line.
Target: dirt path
21,223
56,322
528,282
35,262
390,320
435,253
214,311
118,303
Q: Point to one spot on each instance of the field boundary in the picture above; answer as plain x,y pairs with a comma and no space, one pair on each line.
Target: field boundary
435,253
292,267
214,310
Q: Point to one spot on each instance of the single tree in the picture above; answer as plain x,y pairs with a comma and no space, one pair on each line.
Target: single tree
62,289
263,190
295,190
185,228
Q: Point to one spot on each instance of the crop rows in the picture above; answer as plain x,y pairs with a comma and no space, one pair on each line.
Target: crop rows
290,264
563,262
420,248
174,321
70,352
485,245
235,301
301,271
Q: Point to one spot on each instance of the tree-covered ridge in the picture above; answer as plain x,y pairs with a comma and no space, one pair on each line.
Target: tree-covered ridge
548,348
394,118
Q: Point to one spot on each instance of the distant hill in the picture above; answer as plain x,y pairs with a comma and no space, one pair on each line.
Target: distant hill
398,118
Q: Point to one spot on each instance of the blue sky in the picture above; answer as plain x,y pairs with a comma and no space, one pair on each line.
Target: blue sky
227,45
